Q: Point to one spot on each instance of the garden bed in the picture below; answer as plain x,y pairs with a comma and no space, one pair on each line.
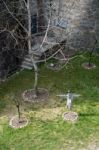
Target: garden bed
29,95
15,122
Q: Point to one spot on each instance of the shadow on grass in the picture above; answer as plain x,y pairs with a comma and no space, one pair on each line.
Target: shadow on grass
88,114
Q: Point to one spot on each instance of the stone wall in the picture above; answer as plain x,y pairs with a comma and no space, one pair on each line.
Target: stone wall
82,17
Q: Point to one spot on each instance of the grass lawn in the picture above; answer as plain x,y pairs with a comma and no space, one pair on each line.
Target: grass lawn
46,129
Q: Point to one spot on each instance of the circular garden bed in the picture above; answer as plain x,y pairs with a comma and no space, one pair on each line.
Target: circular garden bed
29,95
54,66
87,66
16,123
70,116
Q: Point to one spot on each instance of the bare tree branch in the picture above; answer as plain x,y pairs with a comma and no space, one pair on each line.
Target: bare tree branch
14,17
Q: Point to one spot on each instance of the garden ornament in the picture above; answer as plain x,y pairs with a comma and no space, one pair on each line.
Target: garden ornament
70,97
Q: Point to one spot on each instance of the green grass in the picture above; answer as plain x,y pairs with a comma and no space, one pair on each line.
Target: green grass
46,129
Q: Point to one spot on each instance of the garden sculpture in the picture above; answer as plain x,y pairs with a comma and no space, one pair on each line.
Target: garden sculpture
70,97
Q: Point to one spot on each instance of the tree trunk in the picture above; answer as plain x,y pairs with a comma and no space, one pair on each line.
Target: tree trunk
19,114
90,58
91,53
59,9
30,48
36,77
41,21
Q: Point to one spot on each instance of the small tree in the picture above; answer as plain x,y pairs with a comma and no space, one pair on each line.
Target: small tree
25,13
91,54
18,121
17,101
24,10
